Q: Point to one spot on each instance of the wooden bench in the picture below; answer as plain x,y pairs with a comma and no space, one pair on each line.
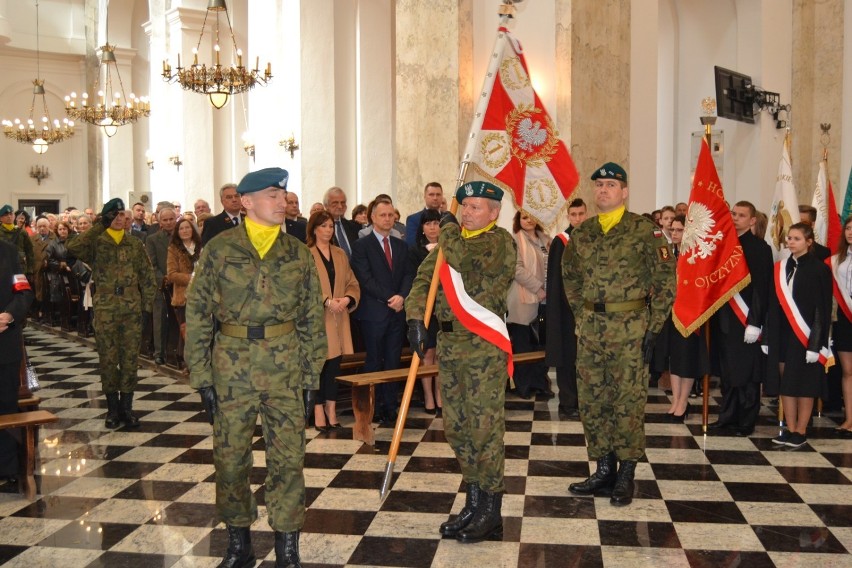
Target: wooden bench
364,396
29,422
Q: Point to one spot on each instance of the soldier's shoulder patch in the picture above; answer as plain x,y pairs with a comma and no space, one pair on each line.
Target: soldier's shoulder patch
664,254
658,233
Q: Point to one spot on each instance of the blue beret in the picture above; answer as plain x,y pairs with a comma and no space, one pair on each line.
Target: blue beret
610,170
479,189
114,204
261,179
5,210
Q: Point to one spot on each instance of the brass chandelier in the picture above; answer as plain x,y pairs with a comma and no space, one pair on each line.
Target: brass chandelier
39,134
218,82
108,111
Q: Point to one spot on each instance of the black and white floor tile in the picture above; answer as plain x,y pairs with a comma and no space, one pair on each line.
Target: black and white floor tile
145,498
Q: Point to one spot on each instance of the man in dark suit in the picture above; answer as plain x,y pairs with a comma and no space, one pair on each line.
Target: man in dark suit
345,231
433,194
15,299
229,218
560,341
294,224
381,265
742,365
157,246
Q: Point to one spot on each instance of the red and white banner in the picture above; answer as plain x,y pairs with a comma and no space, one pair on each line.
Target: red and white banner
827,227
794,316
20,283
475,317
841,294
711,267
517,146
785,207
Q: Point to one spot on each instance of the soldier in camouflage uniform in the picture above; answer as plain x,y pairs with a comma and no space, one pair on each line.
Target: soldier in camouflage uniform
18,237
124,289
616,262
473,370
256,345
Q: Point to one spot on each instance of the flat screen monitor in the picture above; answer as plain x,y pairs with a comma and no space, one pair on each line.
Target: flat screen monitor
734,95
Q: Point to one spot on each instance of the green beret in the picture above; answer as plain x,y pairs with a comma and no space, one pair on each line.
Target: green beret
261,179
114,204
5,210
610,170
479,189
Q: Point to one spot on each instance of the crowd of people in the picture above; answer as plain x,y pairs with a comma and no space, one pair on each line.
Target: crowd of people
597,298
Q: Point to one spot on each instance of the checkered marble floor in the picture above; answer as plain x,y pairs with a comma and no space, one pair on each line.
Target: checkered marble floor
146,497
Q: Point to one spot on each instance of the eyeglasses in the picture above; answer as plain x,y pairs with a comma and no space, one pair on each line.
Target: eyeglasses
677,230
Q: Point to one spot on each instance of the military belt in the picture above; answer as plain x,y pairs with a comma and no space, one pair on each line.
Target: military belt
612,307
256,331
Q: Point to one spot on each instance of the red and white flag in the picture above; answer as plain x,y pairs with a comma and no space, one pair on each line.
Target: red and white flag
785,206
517,146
827,225
711,267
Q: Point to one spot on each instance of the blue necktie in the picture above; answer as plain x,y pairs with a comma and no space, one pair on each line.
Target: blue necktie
341,238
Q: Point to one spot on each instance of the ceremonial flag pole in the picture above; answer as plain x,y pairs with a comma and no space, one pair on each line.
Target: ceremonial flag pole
785,206
506,12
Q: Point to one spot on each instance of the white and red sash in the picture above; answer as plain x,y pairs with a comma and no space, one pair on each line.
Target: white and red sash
740,308
841,294
475,318
794,316
564,237
20,283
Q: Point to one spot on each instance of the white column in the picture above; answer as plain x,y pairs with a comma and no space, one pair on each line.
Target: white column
118,149
643,175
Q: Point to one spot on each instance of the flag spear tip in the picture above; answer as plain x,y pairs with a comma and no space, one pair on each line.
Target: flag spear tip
386,482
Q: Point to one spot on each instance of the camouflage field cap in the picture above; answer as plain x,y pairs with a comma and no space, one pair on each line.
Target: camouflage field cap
6,209
610,170
114,204
479,189
261,179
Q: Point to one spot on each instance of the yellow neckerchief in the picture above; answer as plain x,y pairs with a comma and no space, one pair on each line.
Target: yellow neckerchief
470,234
261,236
611,219
116,234
9,226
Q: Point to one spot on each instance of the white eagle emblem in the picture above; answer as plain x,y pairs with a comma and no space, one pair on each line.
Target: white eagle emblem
697,240
530,135
468,190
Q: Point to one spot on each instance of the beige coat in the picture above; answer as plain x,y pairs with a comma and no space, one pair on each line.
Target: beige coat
345,284
178,272
529,279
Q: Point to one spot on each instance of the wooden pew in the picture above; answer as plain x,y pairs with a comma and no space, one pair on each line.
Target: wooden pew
364,396
29,422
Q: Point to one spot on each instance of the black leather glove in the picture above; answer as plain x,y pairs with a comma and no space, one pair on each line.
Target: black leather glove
417,336
446,218
108,218
648,346
310,398
208,399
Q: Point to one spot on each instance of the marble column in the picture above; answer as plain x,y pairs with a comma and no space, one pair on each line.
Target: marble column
433,95
94,137
593,65
817,91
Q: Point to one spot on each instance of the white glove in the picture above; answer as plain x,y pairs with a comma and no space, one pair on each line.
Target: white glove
765,349
811,357
751,334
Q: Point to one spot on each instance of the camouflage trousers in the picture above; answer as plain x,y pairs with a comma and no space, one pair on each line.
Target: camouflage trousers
118,335
283,423
612,384
473,390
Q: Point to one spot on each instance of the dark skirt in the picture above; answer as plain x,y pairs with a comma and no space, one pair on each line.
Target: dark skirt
800,379
683,356
842,332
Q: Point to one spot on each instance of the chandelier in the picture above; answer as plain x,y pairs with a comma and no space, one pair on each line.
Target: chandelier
108,112
39,134
217,81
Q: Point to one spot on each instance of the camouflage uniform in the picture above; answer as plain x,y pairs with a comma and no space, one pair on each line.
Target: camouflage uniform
234,286
473,371
124,288
22,242
630,262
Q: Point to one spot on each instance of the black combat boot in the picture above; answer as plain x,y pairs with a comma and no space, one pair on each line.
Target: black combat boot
487,522
600,482
240,553
287,550
622,493
471,502
113,417
127,417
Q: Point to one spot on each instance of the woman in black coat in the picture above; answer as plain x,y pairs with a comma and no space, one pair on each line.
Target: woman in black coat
797,331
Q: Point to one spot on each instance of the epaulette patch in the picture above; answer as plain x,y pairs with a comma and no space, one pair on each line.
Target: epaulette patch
664,254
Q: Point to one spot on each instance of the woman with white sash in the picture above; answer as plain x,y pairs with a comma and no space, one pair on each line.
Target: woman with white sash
798,326
841,270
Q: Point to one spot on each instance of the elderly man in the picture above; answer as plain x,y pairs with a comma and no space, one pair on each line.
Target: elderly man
480,264
157,246
201,206
345,231
41,239
230,217
619,279
256,345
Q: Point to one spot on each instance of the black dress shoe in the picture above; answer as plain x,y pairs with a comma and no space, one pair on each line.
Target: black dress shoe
321,429
568,413
430,410
718,425
522,394
159,361
439,412
335,426
744,432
